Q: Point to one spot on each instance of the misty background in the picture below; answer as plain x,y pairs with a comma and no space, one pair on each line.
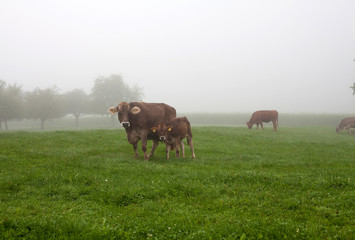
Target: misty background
198,56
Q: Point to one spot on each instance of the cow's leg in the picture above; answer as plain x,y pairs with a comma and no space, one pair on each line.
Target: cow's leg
144,146
182,148
348,128
275,126
135,148
134,141
257,126
177,145
262,127
155,145
189,141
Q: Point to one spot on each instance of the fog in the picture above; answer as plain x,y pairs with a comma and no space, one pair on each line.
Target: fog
196,55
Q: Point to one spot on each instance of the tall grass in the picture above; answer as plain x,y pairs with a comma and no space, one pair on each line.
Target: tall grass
297,183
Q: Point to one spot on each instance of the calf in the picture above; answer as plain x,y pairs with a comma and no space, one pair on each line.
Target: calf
259,117
173,132
346,124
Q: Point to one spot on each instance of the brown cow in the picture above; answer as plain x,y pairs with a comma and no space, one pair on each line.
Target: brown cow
259,117
138,118
347,124
173,132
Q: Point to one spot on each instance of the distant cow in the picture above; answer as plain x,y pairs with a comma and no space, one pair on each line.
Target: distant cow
259,117
347,124
173,132
138,118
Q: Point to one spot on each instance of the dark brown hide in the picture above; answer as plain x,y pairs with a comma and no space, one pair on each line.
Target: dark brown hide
173,132
259,117
138,118
347,124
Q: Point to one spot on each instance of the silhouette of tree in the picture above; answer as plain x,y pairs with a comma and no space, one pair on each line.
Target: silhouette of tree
44,104
353,87
110,91
76,102
11,103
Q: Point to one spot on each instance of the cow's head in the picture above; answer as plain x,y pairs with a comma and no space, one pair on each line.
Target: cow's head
338,129
162,130
249,124
124,110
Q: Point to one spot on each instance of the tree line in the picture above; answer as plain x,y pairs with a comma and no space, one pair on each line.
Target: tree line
50,103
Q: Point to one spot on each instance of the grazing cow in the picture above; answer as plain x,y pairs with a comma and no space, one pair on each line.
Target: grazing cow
138,118
173,132
259,117
347,124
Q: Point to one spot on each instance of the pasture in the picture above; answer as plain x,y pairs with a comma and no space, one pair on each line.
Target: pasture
297,183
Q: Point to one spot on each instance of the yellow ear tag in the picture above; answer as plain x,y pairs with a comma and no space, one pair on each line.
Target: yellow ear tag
169,129
154,130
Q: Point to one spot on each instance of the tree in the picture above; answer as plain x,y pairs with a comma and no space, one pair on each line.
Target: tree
353,87
11,103
76,102
44,104
109,91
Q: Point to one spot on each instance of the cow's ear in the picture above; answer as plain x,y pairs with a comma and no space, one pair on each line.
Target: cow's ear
170,128
112,110
154,129
135,110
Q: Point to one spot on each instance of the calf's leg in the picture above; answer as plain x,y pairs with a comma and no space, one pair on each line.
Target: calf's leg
177,145
167,149
189,141
182,148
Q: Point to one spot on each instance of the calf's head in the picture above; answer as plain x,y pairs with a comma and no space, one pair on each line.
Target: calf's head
124,110
162,130
249,124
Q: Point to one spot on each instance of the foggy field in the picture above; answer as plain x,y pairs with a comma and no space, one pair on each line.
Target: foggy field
297,183
196,119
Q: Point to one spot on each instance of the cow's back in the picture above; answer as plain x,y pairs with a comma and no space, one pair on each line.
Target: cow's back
151,114
347,121
264,116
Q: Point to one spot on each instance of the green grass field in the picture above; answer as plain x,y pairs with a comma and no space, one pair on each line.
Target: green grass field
298,183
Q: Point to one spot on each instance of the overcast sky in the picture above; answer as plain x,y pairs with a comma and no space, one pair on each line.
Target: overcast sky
196,55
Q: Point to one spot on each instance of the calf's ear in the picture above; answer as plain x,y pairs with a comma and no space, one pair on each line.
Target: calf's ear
169,128
135,110
112,110
154,129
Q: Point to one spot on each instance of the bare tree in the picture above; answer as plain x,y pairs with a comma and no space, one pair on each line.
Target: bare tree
11,103
43,104
76,102
109,91
353,87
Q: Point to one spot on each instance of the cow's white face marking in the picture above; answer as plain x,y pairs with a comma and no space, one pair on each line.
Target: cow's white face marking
125,124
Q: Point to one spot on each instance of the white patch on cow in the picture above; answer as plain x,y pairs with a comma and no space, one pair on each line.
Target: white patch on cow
112,110
127,124
135,110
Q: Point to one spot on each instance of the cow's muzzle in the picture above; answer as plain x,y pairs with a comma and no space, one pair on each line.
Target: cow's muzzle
125,124
162,138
